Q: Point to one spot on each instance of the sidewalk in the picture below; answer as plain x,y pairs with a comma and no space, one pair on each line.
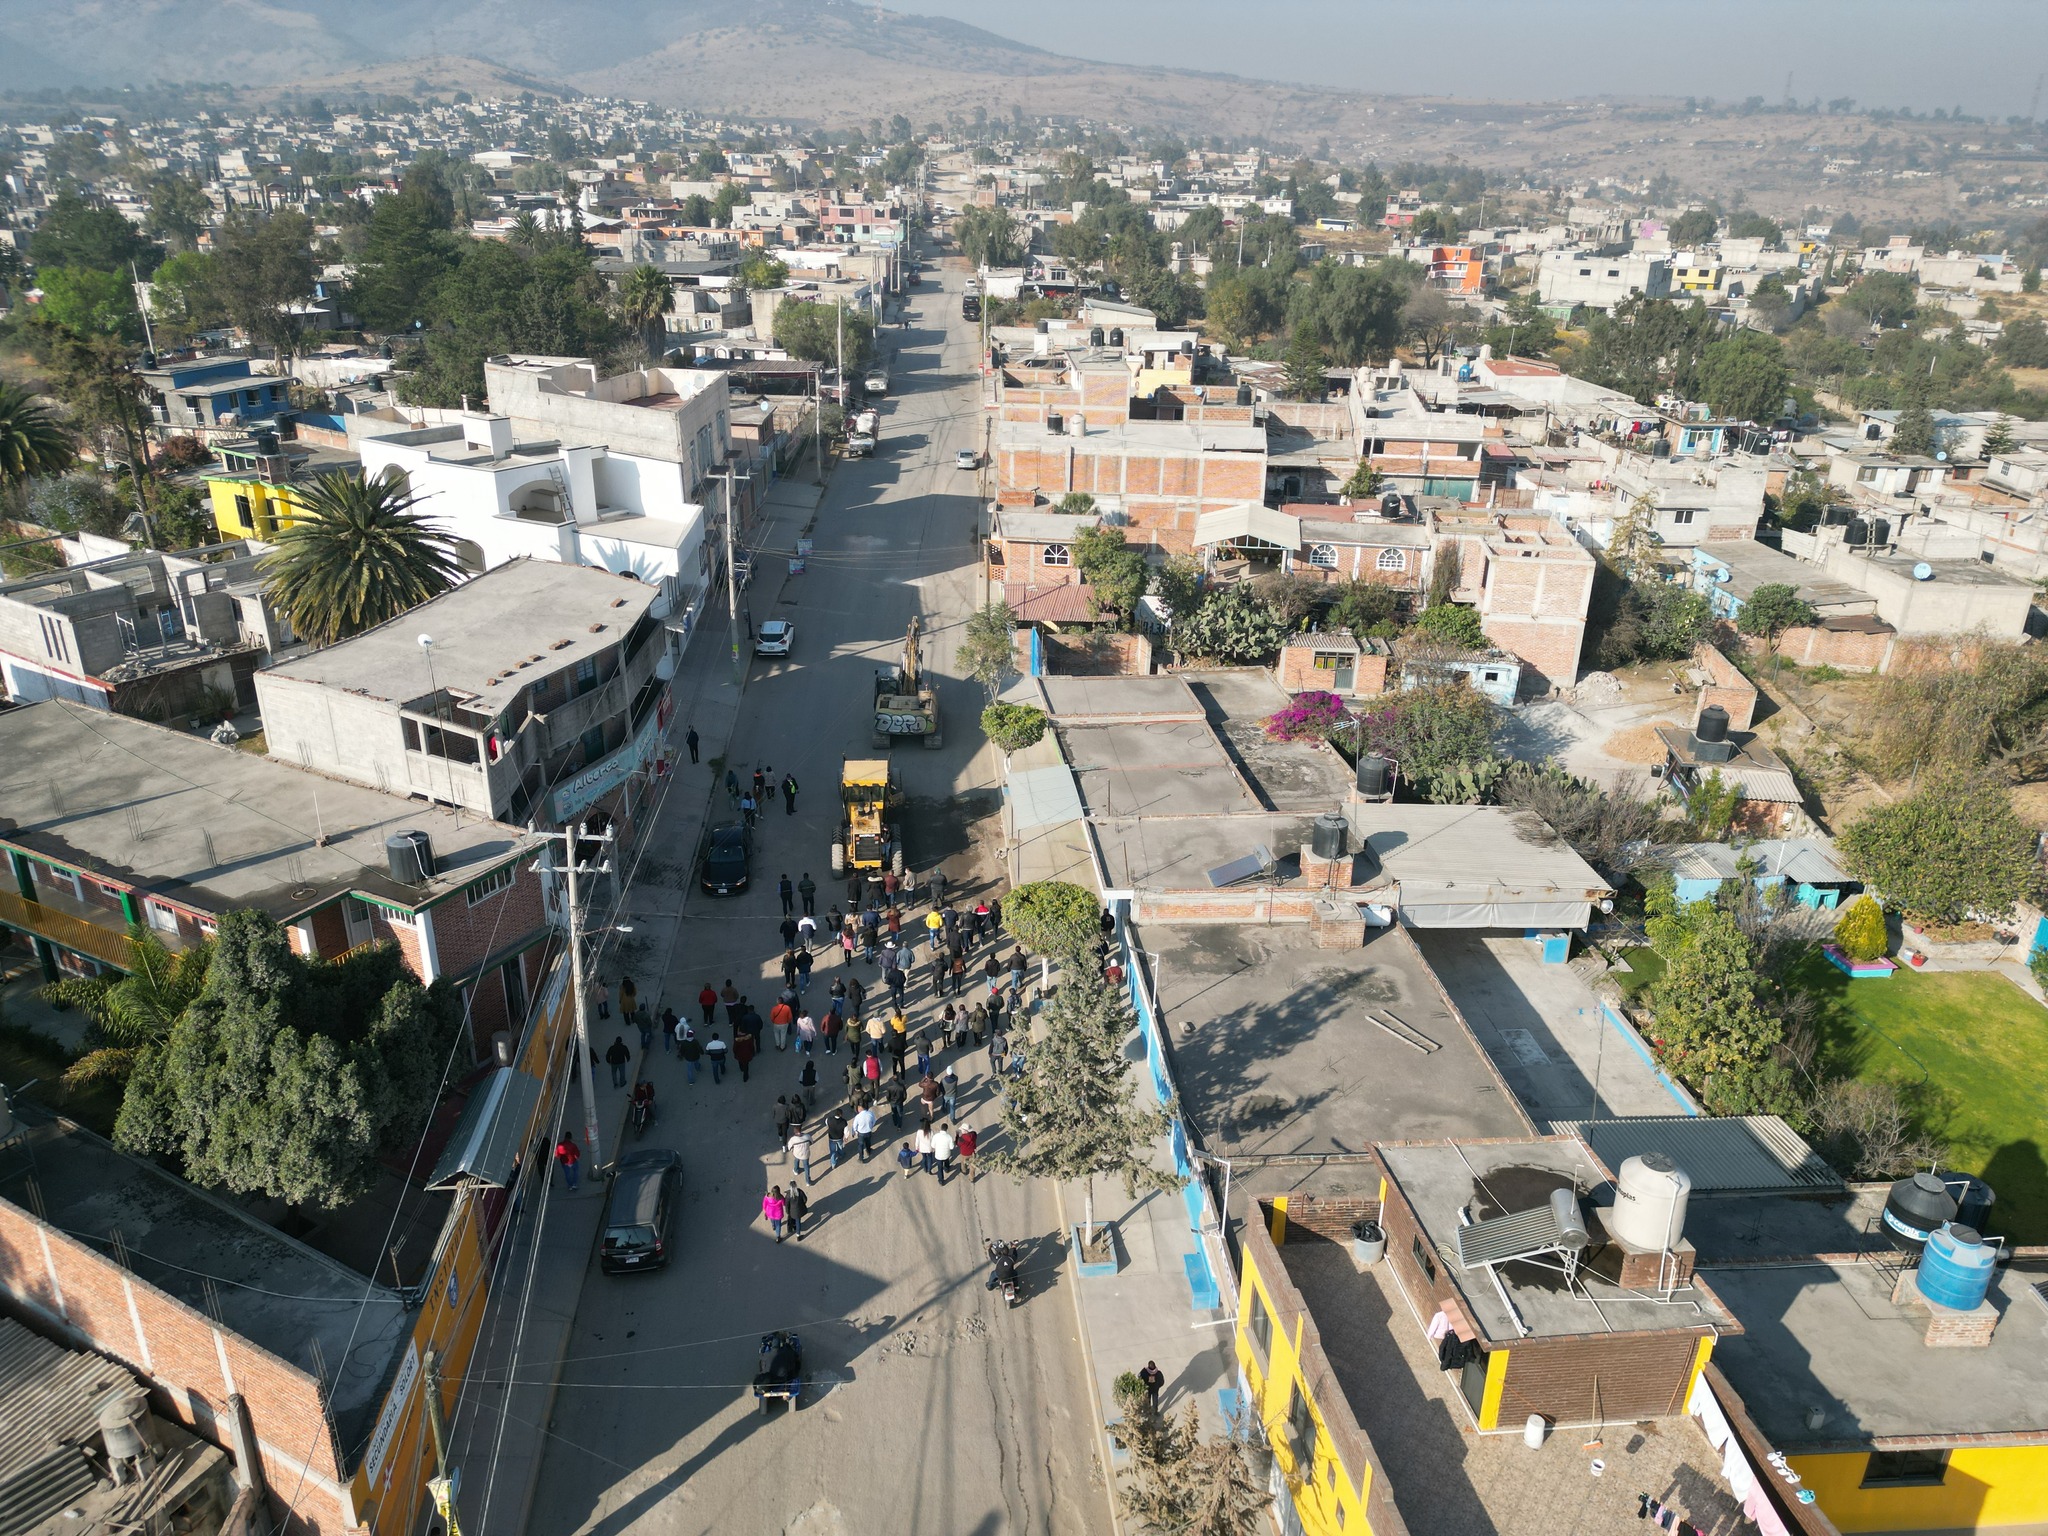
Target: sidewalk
1147,1310
499,1433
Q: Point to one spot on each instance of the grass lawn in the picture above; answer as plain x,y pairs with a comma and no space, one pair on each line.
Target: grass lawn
1645,969
1981,1047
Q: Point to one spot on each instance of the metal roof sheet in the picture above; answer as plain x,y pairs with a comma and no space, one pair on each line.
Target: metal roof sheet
1739,1155
52,1397
487,1138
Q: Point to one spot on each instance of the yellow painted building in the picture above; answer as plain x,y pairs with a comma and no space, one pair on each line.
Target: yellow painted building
1696,279
1980,1488
248,507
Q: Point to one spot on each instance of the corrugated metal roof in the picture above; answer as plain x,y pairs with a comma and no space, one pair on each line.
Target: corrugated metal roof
487,1138
1740,1155
51,1398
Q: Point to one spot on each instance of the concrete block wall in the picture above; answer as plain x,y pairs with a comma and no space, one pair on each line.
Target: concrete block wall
1548,647
1844,649
1297,672
1725,686
193,1364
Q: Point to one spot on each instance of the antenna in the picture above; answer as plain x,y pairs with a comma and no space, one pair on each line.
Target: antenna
2034,110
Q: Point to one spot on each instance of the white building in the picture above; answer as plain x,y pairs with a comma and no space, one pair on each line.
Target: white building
613,473
1600,282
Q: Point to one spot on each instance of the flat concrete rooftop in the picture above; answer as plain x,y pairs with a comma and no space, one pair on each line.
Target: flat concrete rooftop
1440,1180
1448,1481
1288,775
493,635
1275,1056
273,1291
1829,1336
1073,700
174,813
1159,768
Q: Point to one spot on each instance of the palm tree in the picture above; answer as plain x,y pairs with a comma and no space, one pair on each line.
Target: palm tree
356,556
645,296
132,1011
31,440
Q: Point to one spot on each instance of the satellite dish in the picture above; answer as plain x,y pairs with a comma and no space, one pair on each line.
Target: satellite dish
1923,572
1941,457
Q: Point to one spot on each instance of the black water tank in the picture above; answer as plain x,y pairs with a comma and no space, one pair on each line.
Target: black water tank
1045,327
1095,336
1916,1207
1390,504
1375,775
1055,423
1859,531
1880,531
1974,1199
1327,839
1713,724
266,441
1116,336
1244,394
1187,349
410,856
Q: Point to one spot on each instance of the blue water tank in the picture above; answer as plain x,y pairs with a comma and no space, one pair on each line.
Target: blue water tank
1955,1268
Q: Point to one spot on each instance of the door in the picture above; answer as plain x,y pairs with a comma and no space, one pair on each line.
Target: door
1342,677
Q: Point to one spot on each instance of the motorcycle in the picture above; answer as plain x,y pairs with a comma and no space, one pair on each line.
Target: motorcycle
642,1115
781,1377
1005,1270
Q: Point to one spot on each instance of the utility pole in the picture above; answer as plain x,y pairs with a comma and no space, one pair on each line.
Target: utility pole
732,577
818,422
440,1487
573,869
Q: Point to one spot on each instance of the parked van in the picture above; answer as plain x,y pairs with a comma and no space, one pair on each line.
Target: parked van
640,1212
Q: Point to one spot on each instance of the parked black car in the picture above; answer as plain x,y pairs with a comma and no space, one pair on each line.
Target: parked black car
640,1212
727,853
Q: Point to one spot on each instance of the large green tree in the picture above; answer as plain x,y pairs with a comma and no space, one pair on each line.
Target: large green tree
812,331
541,296
77,233
86,302
1055,918
263,274
987,236
1744,378
1357,312
356,556
1709,1015
1073,1111
645,298
988,650
407,250
1772,609
131,1012
1951,851
287,1077
1114,569
1441,736
178,210
32,440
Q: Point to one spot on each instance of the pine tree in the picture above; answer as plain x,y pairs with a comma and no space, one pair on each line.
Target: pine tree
1860,930
1073,1113
1186,1485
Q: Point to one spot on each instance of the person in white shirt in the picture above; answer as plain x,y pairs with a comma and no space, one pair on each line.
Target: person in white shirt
864,1128
942,1147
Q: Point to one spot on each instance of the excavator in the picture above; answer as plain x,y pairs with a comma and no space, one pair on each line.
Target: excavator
906,701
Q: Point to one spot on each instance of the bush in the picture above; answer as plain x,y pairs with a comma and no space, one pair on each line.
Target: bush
1860,930
1454,624
1311,717
184,453
1013,727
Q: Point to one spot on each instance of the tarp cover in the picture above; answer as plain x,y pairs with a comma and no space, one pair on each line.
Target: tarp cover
1496,914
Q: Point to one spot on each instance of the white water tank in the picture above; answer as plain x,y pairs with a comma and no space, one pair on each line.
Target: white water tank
1649,1202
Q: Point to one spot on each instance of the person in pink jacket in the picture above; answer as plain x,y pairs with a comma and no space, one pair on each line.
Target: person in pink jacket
774,1208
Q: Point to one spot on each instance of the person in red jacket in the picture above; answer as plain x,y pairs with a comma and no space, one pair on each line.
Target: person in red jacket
963,1148
708,1001
570,1156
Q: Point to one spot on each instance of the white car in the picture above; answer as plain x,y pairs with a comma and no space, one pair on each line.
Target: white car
774,638
967,458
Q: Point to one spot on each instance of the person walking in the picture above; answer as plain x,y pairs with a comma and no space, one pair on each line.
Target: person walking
807,892
789,794
688,1048
921,1145
835,1135
776,1210
963,1147
785,892
804,963
570,1156
995,916
732,787
690,741
747,809
761,776
856,997
897,984
806,1031
977,921
871,1070
743,1048
604,1001
730,996
780,1019
936,883
998,1050
863,1125
800,1152
629,998
807,1080
928,1092
890,882
707,1004
1155,1383
806,932
977,1022
949,1092
616,1058
715,1051
829,1029
934,931
798,1206
895,1096
942,1149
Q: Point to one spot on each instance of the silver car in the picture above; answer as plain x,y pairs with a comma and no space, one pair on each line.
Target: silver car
967,458
774,638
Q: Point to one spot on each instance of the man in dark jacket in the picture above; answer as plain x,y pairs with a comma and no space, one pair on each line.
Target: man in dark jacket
617,1057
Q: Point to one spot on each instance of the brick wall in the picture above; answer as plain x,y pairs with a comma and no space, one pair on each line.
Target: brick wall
1850,650
1102,654
1328,1217
1725,686
192,1364
1548,648
1297,673
466,936
1586,1379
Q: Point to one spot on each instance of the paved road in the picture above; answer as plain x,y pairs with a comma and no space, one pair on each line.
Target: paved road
935,1411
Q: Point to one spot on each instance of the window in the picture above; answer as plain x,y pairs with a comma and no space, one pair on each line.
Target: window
1684,515
1867,475
586,673
484,889
1301,1429
1906,1469
245,514
54,643
1056,554
1424,1260
1330,661
1324,555
251,398
162,918
1491,677
1262,1329
1585,271
1392,560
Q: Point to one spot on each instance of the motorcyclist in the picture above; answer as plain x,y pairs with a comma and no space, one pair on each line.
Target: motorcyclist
642,1103
1004,1262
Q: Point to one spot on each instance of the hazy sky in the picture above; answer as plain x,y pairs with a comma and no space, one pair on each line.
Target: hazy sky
1985,55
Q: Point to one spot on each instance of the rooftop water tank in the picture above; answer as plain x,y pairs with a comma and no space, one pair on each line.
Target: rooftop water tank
1923,572
1974,1199
410,856
1116,335
1955,1271
1096,336
1713,724
1650,1198
1055,422
1375,775
1327,837
1916,1207
1571,1226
